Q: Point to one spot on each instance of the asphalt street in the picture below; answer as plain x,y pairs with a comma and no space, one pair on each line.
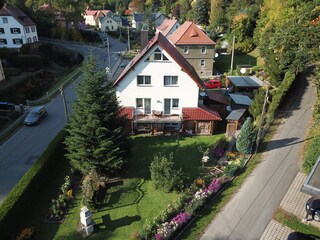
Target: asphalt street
19,152
247,214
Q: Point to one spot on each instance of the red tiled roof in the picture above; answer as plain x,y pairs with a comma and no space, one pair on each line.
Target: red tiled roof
200,113
189,34
15,12
127,112
172,51
166,26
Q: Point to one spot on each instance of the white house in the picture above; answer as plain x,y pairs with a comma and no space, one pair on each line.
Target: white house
168,26
91,17
158,19
16,28
110,23
159,90
137,20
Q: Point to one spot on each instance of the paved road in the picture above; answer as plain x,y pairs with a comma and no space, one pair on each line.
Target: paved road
249,211
19,153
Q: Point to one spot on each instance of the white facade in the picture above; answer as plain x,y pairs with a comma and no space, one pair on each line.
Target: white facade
109,24
13,34
186,90
90,20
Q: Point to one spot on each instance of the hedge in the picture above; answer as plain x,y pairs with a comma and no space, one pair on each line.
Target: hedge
21,197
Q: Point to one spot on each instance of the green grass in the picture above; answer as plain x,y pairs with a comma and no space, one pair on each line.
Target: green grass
197,228
294,223
129,202
222,63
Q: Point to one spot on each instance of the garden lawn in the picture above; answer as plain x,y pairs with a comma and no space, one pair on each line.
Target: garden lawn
222,62
133,200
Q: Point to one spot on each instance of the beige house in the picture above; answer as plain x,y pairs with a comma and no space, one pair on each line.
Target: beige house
91,17
196,47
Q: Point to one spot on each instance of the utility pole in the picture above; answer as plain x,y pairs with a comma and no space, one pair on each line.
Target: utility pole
108,53
261,120
128,39
64,104
232,54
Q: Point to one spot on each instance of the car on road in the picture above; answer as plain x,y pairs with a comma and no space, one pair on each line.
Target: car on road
35,116
302,236
213,83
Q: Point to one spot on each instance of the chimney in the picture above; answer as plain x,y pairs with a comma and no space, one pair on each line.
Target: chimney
144,39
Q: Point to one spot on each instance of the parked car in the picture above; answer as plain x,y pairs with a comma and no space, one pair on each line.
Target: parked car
213,83
35,116
302,236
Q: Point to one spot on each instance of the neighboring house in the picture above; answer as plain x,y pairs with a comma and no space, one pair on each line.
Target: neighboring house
59,17
16,28
196,47
159,91
168,27
137,20
91,17
110,23
158,19
244,84
2,76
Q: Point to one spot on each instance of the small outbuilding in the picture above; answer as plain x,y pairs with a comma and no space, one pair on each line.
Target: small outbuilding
235,119
244,84
239,101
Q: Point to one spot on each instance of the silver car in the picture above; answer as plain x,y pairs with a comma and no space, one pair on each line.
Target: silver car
35,116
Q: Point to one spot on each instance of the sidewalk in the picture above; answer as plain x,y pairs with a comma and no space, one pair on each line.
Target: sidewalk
293,202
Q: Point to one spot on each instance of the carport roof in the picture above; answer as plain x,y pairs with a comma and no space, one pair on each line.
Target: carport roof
241,99
246,81
312,184
236,114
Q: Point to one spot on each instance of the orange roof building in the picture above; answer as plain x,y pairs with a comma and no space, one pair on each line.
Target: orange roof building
196,47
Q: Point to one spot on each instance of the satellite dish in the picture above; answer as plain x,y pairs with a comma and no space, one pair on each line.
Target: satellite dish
243,70
216,55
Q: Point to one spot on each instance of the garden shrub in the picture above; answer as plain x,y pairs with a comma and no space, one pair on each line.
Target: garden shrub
233,168
90,186
246,137
22,196
164,175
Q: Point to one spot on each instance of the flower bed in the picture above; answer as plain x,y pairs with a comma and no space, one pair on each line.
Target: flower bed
180,213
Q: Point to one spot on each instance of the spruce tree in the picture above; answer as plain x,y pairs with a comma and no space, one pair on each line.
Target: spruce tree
96,138
246,137
201,12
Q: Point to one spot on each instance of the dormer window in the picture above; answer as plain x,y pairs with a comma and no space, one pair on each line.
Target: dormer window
157,55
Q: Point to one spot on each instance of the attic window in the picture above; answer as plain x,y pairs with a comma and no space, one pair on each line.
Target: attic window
193,33
157,55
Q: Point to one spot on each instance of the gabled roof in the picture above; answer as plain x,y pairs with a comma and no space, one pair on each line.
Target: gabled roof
95,13
200,113
246,81
166,26
15,12
171,50
189,34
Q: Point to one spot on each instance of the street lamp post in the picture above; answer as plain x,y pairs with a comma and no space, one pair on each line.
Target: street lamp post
64,103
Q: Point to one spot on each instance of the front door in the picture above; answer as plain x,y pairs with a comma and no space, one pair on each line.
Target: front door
167,106
147,106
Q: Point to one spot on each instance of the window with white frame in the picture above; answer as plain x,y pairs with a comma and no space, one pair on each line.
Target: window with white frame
35,39
203,50
27,30
3,41
186,50
33,28
202,63
143,80
170,103
5,20
170,80
29,40
157,55
144,103
15,30
1,30
17,41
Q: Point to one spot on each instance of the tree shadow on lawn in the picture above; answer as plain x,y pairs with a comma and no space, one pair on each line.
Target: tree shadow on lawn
123,196
186,154
112,225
